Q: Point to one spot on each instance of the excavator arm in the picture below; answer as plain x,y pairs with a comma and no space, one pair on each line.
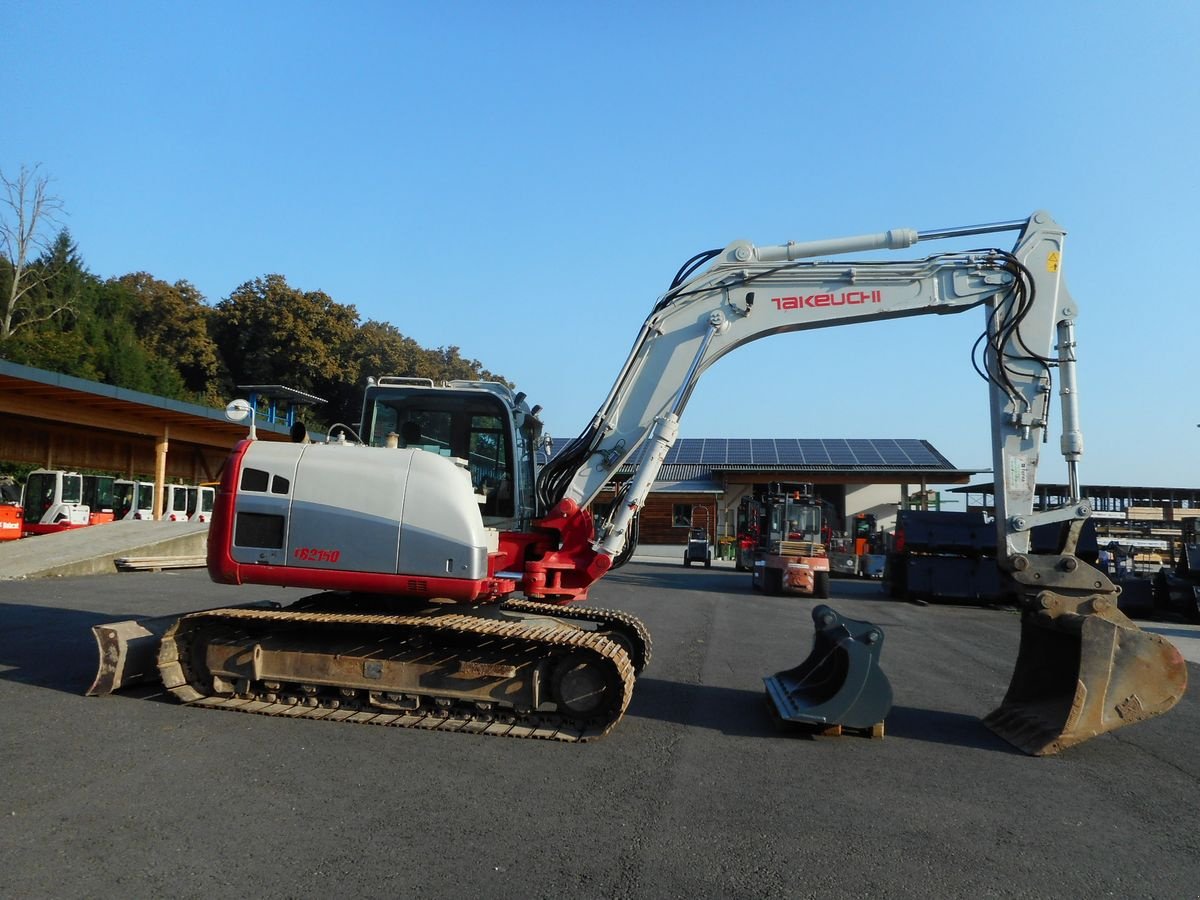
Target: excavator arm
1083,667
752,292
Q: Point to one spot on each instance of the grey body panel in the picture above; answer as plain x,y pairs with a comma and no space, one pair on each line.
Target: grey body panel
352,508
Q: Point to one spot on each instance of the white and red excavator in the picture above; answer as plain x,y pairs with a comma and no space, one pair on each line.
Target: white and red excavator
448,560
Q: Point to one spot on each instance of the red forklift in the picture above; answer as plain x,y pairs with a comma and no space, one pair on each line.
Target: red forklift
790,536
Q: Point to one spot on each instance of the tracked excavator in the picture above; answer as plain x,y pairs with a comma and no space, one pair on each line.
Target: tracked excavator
448,562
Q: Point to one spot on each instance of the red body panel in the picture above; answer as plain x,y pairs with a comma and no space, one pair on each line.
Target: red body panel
10,523
39,528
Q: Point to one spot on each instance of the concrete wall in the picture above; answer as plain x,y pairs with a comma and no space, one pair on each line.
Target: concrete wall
880,500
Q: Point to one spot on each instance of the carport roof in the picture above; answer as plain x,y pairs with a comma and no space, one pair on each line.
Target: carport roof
25,389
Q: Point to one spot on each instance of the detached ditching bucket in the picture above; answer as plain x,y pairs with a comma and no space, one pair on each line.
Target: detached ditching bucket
1083,669
840,684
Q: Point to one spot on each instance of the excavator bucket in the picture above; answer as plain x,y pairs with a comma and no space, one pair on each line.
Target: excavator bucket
128,653
1083,669
840,683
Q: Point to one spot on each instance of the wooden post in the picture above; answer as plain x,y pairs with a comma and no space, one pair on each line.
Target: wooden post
160,471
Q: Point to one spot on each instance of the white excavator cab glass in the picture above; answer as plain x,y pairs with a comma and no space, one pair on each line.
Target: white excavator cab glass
98,492
528,437
72,488
488,463
40,490
123,499
462,423
50,496
145,498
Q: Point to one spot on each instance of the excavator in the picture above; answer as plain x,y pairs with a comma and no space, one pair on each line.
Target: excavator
447,562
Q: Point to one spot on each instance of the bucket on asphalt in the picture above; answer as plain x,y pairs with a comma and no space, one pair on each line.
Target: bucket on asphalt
840,683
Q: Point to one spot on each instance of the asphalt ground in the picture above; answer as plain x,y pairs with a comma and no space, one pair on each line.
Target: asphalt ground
695,793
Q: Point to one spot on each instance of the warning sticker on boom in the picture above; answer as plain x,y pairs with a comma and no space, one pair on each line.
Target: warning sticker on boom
1052,261
1018,475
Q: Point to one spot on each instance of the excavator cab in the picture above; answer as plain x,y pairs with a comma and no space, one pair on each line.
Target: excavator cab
53,501
481,423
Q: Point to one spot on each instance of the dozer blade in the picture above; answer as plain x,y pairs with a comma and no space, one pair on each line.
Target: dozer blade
1083,668
128,653
128,650
840,683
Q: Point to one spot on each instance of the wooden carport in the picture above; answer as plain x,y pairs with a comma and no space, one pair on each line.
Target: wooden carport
61,422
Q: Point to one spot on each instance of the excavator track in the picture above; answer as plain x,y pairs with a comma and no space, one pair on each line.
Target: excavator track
627,630
438,670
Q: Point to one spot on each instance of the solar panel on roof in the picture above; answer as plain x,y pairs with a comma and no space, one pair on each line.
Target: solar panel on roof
812,449
789,452
910,452
687,451
890,454
840,453
739,452
917,452
792,452
763,450
815,453
715,452
865,452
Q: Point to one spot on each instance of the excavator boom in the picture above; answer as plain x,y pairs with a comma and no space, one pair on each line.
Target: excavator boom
1084,668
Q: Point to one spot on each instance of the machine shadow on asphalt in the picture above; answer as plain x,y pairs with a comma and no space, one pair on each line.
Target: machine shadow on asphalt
49,647
741,713
937,726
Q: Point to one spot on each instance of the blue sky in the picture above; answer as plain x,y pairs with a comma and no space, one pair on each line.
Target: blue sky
523,180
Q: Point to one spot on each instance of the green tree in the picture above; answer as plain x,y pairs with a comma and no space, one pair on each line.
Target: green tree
120,357
172,324
377,348
446,363
269,332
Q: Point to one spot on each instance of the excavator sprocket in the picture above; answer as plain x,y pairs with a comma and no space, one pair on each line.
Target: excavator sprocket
481,670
